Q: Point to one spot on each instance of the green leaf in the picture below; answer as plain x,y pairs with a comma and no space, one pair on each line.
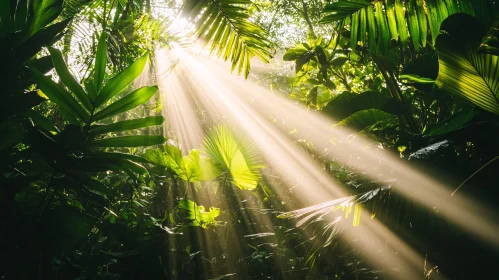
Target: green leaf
122,156
20,17
130,101
5,21
41,121
455,122
46,36
425,65
463,71
348,103
365,118
128,141
100,62
189,168
103,163
68,79
127,125
338,62
44,12
371,25
391,19
342,9
197,215
401,23
413,23
490,42
302,60
69,106
417,79
423,29
227,26
121,80
295,52
235,155
382,25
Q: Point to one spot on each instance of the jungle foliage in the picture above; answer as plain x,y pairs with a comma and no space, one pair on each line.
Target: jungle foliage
91,189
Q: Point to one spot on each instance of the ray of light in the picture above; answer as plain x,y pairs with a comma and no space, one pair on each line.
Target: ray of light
470,215
182,123
282,153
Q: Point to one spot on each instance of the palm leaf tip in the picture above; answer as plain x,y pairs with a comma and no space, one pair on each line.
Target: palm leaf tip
226,24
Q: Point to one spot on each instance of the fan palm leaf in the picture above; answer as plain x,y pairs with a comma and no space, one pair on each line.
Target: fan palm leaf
234,155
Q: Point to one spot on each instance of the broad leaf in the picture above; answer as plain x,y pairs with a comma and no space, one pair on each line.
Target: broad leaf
130,101
463,71
127,125
348,103
44,12
189,168
128,141
69,106
234,155
68,79
455,122
100,62
295,52
103,163
121,80
197,215
366,118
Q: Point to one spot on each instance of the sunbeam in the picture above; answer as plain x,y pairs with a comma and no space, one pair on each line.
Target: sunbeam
283,155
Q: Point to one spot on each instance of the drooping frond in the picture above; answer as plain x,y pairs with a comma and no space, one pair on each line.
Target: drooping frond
226,24
375,23
317,212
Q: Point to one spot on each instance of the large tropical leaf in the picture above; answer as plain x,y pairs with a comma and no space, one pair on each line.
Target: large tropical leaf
68,79
197,215
463,71
368,119
189,168
234,155
68,104
127,125
130,101
129,141
44,12
121,80
226,24
400,20
348,103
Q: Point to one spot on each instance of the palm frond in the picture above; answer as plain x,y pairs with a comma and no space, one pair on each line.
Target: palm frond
234,155
227,25
316,213
399,20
